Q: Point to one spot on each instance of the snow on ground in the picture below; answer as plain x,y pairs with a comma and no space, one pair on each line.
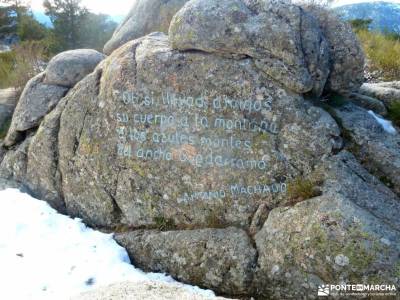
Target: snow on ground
387,125
46,255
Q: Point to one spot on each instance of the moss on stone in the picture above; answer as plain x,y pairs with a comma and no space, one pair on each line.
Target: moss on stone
139,170
397,270
259,140
164,224
360,247
301,189
386,181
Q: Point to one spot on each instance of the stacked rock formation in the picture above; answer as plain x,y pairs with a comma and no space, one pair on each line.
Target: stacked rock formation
211,148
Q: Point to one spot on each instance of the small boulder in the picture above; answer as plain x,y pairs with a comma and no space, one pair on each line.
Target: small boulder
388,93
146,16
369,103
69,67
346,54
36,101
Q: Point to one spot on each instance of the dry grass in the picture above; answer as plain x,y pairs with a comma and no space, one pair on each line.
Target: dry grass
21,64
383,52
301,189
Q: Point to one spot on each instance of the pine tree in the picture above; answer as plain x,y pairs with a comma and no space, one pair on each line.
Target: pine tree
68,18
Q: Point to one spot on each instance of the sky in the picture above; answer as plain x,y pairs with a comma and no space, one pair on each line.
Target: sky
122,7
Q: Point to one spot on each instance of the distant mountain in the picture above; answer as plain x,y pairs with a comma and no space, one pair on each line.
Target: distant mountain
385,15
42,18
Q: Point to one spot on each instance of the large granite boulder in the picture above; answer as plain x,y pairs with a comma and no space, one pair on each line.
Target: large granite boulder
69,67
284,42
210,166
149,110
146,16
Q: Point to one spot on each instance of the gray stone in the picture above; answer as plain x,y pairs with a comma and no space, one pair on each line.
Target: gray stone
343,175
135,189
36,101
42,174
378,150
285,42
75,144
345,51
390,84
8,101
369,103
146,16
341,260
220,259
69,67
387,93
13,163
10,184
213,171
326,239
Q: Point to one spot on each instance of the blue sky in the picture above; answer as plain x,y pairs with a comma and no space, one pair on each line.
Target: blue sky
121,7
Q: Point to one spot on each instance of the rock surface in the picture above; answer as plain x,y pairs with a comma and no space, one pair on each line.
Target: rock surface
369,103
8,101
69,67
44,91
220,259
387,92
378,150
390,84
142,291
235,147
10,184
346,54
36,101
146,16
294,52
216,169
330,238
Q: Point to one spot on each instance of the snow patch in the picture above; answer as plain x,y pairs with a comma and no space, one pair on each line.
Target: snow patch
387,125
46,255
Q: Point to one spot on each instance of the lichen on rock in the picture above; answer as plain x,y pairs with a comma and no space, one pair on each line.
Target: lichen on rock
210,154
